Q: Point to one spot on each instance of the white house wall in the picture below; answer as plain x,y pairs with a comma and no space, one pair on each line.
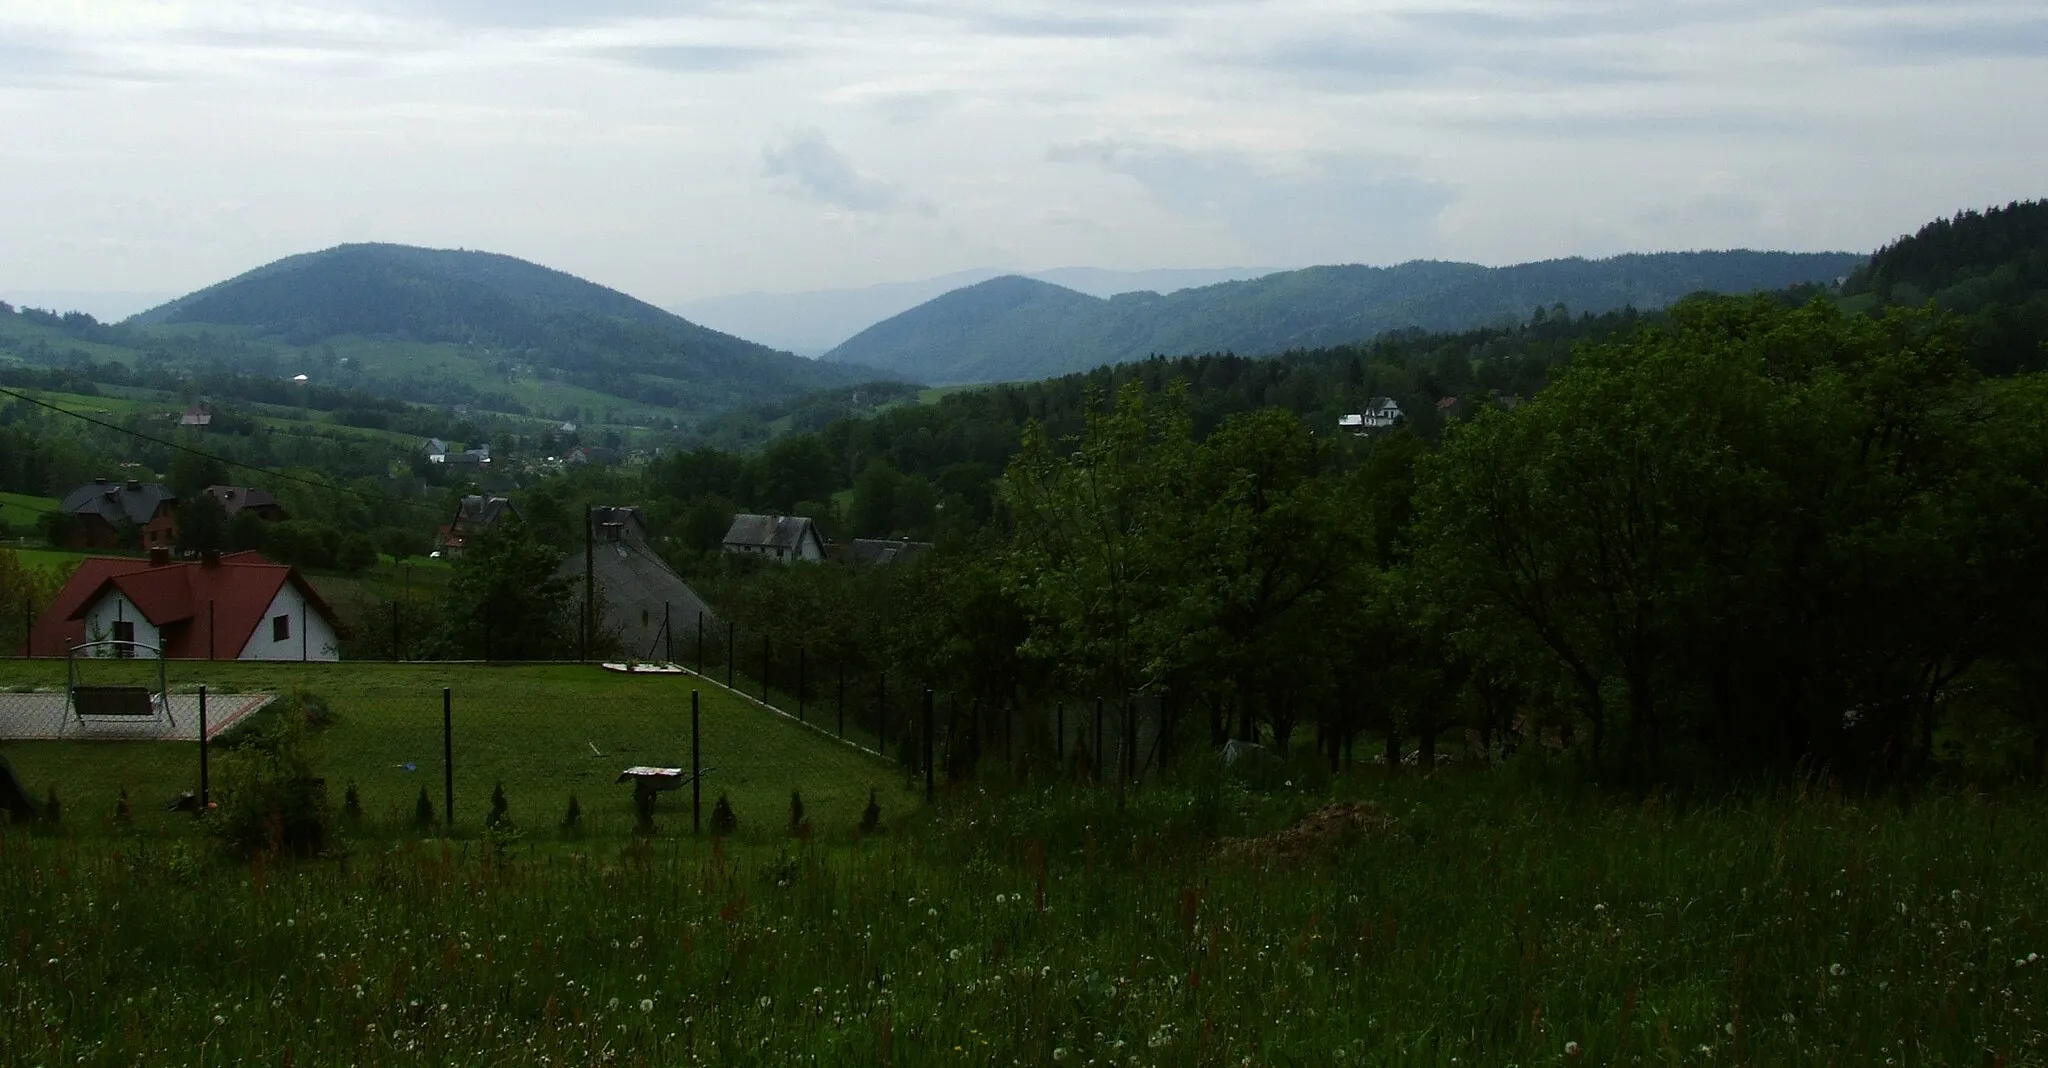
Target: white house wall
320,642
116,607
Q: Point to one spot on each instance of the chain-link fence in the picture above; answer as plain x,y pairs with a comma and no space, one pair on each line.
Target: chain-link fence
551,749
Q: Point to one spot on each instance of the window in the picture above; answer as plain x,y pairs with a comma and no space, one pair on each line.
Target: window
280,628
124,631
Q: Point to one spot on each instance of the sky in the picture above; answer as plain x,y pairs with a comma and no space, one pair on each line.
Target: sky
686,149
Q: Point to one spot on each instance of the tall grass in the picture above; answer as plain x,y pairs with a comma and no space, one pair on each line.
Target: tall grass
1492,922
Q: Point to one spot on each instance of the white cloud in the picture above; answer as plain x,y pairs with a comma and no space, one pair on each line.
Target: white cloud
162,144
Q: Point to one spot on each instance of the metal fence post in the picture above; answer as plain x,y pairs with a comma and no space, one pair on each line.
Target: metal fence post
448,758
304,638
205,793
668,637
952,736
800,682
929,791
700,644
882,714
209,630
696,769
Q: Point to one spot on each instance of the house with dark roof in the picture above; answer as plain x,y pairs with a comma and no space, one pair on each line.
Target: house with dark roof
473,514
233,607
647,610
236,499
100,510
874,552
787,538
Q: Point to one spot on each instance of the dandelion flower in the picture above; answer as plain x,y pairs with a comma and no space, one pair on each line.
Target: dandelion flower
1836,970
219,1020
1729,1027
953,955
1059,1054
646,1004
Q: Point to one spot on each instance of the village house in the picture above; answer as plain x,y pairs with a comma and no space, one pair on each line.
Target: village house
233,607
1380,413
101,510
880,551
197,415
475,513
647,609
786,538
237,499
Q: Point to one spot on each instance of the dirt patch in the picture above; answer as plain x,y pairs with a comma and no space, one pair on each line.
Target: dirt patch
1316,836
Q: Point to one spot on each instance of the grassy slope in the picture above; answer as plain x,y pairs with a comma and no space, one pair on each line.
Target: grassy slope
21,511
532,727
1496,922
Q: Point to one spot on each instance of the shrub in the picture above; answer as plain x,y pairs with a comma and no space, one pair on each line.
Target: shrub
572,820
643,809
799,824
262,728
53,809
871,816
499,808
723,820
423,812
270,798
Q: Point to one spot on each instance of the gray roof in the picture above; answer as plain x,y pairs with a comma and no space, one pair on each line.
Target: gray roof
235,498
478,512
134,502
885,551
636,587
771,531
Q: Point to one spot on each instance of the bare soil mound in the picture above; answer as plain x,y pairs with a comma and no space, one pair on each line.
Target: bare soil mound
1318,835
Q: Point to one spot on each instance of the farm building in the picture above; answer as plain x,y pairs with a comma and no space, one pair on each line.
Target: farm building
786,538
475,513
639,592
234,607
101,509
236,499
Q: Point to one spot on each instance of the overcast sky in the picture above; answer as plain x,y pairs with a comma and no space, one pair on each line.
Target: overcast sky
686,149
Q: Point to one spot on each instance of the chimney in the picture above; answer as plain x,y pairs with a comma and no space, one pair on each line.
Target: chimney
132,485
209,558
159,557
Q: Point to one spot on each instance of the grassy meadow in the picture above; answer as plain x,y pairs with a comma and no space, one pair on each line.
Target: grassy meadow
545,731
1468,918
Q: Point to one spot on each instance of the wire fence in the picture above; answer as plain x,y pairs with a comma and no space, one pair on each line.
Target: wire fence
765,744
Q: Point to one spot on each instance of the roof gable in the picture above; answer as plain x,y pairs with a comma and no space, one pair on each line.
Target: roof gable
232,595
773,531
135,502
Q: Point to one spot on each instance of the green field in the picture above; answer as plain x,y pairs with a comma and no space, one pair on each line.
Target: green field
1469,918
545,731
21,511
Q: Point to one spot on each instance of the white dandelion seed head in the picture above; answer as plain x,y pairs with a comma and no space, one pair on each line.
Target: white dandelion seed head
646,1004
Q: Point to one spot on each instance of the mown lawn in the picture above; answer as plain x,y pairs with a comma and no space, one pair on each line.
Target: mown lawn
545,731
1480,919
20,511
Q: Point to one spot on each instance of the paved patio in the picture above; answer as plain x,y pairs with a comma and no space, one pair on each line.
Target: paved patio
41,716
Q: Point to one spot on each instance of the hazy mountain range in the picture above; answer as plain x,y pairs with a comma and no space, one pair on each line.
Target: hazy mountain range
811,323
1014,328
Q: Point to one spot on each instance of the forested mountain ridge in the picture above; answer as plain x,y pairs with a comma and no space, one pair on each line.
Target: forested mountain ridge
521,312
1989,267
1013,328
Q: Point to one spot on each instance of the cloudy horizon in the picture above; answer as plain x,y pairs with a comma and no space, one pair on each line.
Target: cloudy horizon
678,151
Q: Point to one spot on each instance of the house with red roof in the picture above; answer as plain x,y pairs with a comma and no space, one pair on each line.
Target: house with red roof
233,607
